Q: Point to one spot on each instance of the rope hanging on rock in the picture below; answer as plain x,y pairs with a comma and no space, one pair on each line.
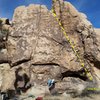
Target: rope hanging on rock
71,44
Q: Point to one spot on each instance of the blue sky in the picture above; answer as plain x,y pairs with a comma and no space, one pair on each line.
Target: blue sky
90,7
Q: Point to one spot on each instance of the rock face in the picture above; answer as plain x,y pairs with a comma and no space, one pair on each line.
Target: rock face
36,49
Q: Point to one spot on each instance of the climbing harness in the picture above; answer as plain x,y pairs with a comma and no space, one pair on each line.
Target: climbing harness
72,46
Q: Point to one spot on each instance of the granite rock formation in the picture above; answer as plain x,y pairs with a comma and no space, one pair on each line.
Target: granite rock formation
35,50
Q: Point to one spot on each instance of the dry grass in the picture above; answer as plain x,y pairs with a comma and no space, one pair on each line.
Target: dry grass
90,97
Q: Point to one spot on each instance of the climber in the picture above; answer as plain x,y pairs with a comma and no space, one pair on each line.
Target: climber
51,83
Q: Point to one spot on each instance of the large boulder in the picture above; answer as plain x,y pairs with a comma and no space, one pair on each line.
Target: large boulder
37,49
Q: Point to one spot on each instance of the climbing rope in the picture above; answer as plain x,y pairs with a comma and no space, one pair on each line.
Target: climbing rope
71,44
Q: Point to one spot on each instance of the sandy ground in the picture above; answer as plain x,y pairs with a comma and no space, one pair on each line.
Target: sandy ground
90,97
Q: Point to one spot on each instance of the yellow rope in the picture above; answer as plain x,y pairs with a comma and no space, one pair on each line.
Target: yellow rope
72,46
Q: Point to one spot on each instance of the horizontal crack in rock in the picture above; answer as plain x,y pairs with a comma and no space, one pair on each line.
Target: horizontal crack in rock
44,64
76,74
20,62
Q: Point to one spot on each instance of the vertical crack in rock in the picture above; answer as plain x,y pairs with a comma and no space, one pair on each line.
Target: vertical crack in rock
21,82
38,26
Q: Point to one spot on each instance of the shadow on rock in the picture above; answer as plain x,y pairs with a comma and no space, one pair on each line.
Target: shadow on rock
22,82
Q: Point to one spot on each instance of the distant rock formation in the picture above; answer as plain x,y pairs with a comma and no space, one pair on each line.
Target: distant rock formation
36,50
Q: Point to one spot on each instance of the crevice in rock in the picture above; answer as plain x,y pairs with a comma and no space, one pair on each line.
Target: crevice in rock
92,60
22,82
4,61
15,36
20,62
53,39
63,43
96,64
44,64
76,74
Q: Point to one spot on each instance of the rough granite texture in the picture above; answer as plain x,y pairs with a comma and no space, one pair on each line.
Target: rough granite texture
35,50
